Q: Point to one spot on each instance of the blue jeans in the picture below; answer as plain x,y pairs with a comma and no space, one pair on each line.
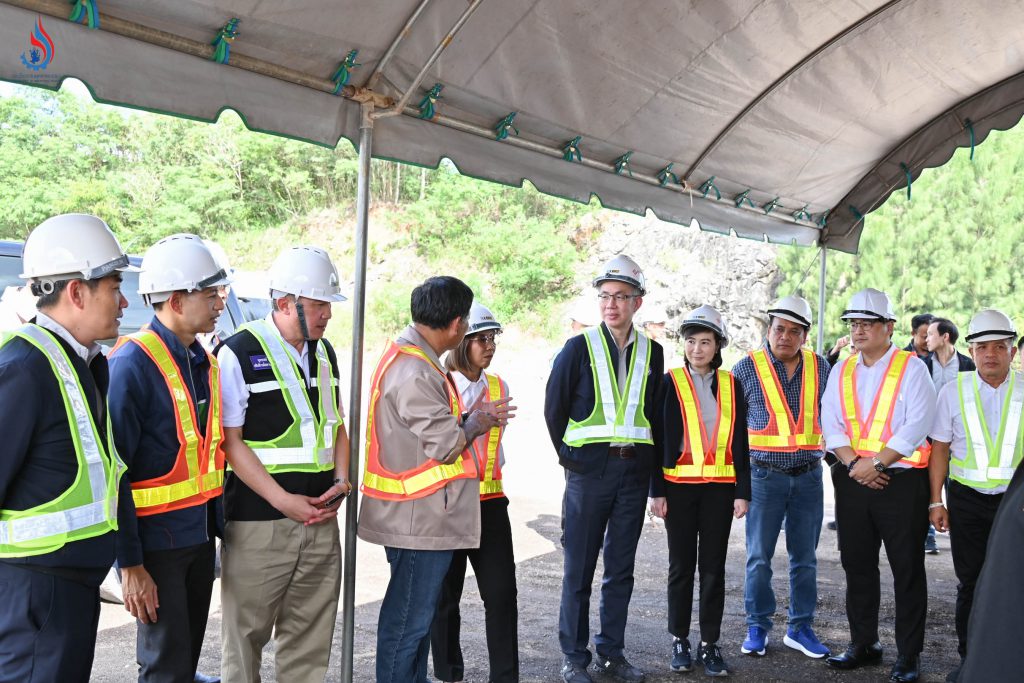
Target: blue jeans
603,509
796,502
403,627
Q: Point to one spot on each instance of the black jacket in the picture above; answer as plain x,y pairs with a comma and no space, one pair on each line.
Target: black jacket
966,363
570,394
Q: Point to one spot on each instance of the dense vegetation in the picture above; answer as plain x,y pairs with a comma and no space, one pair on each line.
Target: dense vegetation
952,249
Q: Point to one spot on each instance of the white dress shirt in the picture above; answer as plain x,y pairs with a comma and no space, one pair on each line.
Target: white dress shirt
912,416
949,424
473,393
235,392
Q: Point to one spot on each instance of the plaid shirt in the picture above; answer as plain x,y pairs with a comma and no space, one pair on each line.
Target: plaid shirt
758,414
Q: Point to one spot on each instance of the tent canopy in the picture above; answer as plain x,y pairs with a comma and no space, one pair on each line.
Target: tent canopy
781,119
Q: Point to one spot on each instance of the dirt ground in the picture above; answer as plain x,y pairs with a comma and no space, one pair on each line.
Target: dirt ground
534,484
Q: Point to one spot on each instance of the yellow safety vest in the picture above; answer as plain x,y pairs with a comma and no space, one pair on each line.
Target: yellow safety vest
702,460
89,507
617,417
308,444
198,471
869,436
487,445
783,434
989,463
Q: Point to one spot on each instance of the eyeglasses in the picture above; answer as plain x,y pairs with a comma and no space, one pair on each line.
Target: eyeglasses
863,324
486,339
619,298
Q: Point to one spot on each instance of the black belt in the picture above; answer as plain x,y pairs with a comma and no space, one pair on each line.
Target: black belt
899,470
624,452
790,472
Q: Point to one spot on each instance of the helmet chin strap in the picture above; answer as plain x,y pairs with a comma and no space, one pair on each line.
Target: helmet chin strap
301,313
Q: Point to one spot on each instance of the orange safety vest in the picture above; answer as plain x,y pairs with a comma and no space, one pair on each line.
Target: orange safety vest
783,434
198,471
716,464
421,481
487,445
869,436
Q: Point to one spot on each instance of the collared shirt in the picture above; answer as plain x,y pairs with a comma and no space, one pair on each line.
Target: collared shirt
622,371
86,353
758,414
912,415
948,426
234,390
944,374
472,394
708,402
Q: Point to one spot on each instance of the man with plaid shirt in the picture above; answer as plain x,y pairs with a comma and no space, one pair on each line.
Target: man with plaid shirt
783,383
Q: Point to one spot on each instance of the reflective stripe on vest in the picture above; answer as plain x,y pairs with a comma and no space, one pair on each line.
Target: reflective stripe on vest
614,419
869,436
783,434
198,471
89,507
989,463
425,479
716,463
487,444
308,443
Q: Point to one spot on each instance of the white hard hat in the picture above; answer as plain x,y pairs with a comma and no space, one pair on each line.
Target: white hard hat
178,263
622,269
990,325
707,318
584,311
308,272
869,304
481,318
793,308
71,246
652,314
220,256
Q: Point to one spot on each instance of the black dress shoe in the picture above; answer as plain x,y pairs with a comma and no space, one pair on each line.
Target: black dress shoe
906,668
856,655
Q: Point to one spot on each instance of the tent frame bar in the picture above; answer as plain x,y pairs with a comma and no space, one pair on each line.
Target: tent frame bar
378,71
384,106
783,79
355,406
822,258
400,106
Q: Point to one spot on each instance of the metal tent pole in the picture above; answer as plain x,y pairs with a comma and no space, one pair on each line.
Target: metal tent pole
354,404
821,302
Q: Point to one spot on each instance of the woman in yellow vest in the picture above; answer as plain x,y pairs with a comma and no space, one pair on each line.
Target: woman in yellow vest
493,561
706,483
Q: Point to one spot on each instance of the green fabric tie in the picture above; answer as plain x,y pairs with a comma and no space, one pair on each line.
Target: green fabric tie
427,110
970,129
571,150
666,174
504,126
771,206
801,214
906,172
344,71
622,164
85,12
742,197
222,43
709,185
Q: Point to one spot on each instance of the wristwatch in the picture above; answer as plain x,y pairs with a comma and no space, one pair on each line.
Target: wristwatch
878,465
849,466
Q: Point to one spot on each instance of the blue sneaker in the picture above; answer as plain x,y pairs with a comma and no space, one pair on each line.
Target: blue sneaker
681,658
755,642
804,640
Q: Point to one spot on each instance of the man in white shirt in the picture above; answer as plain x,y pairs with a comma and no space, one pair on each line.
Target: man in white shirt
976,441
876,412
945,362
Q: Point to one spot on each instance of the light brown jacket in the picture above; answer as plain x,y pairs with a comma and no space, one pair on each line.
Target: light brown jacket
414,422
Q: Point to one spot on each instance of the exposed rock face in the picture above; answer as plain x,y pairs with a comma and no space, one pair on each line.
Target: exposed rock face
686,268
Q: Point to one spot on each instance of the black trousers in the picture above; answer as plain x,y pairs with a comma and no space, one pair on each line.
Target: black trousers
168,650
47,627
495,569
898,517
971,515
698,523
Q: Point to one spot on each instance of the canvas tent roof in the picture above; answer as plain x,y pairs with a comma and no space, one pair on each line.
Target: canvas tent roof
806,114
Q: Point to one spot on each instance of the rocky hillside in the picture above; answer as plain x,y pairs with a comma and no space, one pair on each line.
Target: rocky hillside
686,268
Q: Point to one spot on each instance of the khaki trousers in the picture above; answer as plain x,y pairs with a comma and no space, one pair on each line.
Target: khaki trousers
282,577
